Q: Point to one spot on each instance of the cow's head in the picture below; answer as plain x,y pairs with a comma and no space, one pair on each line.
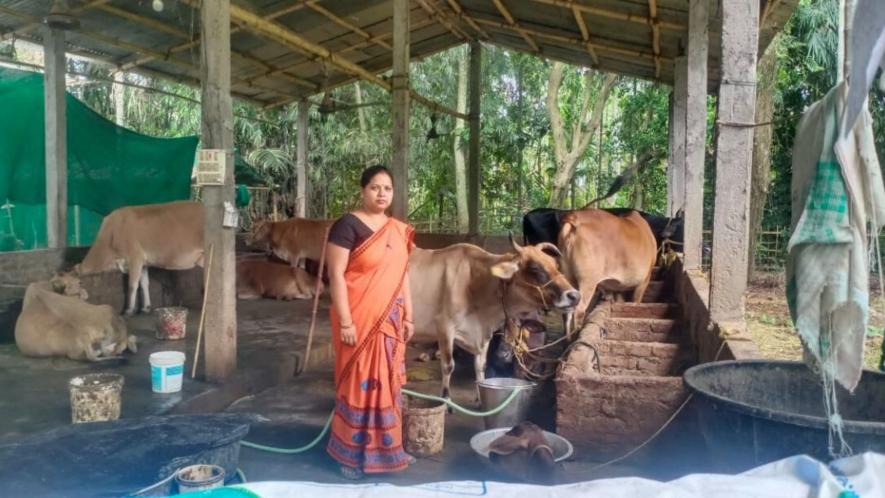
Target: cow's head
535,279
259,237
674,229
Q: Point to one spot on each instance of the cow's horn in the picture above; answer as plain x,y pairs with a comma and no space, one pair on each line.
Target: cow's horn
550,249
513,242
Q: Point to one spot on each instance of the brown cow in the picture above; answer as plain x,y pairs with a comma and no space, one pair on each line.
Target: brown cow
608,252
290,240
258,278
460,294
132,238
524,452
52,324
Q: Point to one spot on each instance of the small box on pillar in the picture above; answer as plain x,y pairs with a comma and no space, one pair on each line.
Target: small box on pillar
211,167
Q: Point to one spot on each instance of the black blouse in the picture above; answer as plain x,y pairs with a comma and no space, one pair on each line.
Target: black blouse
349,231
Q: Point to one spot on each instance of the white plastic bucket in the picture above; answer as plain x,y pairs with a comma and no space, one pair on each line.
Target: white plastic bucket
167,371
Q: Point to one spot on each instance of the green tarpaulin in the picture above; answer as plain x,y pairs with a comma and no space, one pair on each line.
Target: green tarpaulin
108,166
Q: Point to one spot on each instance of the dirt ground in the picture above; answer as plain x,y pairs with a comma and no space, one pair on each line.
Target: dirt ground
768,319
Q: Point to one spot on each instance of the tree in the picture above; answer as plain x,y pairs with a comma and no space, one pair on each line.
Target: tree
581,126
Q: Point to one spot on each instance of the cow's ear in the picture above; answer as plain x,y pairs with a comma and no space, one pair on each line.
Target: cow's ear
505,270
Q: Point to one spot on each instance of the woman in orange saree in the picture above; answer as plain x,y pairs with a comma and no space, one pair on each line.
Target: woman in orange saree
368,255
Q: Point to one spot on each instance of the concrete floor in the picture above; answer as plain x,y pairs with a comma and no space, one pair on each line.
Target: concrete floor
271,338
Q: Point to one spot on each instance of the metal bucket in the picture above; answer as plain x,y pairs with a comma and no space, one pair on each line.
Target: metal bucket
494,391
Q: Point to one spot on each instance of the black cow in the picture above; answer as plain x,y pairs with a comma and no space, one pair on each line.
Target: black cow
543,224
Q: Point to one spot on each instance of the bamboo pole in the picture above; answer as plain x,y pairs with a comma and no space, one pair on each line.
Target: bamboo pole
456,8
515,26
585,34
655,35
202,312
442,19
578,42
347,25
621,16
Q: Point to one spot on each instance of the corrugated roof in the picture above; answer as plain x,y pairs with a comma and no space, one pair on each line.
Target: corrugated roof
632,37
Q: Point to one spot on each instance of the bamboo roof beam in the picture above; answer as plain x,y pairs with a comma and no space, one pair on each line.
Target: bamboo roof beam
193,43
349,48
585,34
459,12
578,42
444,20
655,35
285,36
621,16
36,21
131,47
313,4
515,26
160,26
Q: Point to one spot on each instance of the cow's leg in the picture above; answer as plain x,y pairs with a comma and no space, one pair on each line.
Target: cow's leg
446,340
589,288
145,290
640,289
479,364
135,268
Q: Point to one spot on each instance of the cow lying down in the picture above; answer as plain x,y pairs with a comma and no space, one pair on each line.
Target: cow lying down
259,278
524,452
51,324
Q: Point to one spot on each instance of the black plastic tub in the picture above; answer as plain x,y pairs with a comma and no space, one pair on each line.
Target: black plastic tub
754,412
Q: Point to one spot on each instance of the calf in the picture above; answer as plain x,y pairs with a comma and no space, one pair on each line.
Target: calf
256,278
51,324
291,240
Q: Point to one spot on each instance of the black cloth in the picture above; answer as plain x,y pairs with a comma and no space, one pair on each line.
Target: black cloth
349,232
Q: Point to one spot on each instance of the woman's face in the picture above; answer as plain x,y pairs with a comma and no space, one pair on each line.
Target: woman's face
378,194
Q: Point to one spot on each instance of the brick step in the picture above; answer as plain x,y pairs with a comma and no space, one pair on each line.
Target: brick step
645,310
632,358
642,330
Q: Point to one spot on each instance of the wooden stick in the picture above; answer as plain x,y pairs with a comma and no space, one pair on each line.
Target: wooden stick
316,301
203,312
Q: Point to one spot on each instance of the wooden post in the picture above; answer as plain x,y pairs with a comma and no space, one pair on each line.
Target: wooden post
473,171
55,121
737,98
217,133
301,163
400,101
676,171
695,133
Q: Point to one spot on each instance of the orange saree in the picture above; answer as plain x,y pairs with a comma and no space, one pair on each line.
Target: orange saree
367,426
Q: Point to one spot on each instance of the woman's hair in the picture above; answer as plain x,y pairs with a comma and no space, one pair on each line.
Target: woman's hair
370,173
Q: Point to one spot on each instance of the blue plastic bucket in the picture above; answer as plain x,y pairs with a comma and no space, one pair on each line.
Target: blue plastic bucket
167,371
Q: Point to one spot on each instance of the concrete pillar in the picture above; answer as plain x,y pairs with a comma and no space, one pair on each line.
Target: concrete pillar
218,133
301,163
56,143
695,132
676,169
473,171
737,99
400,101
